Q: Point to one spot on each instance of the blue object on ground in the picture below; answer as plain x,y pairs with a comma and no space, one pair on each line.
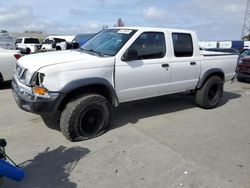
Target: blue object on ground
10,171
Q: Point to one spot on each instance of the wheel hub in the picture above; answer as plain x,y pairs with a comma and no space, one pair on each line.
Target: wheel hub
213,92
91,121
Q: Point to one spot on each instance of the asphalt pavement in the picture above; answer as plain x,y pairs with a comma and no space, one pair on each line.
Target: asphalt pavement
161,142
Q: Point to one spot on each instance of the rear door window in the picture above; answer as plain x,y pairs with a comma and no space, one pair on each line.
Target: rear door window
31,41
59,40
183,45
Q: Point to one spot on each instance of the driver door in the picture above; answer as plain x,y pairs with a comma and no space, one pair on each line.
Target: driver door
147,74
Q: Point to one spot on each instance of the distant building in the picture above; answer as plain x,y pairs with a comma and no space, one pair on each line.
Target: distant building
7,41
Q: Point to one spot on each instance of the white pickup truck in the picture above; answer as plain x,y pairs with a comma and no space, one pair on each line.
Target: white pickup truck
115,66
52,43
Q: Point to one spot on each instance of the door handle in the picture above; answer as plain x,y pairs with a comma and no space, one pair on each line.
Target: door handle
192,63
165,65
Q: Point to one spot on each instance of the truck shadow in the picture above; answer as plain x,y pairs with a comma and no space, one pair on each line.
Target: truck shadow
132,112
50,169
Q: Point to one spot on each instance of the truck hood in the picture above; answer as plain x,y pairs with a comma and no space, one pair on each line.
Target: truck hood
34,62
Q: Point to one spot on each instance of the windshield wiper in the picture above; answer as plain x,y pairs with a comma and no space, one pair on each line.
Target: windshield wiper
94,52
97,52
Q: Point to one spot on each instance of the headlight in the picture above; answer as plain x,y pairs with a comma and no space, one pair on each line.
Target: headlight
37,79
240,61
40,78
26,77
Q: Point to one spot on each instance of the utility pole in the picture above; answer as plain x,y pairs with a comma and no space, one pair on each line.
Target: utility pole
246,23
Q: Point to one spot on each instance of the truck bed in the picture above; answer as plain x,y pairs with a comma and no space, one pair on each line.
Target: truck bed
225,60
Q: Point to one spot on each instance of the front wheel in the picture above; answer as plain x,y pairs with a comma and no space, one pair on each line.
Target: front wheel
85,117
210,94
28,51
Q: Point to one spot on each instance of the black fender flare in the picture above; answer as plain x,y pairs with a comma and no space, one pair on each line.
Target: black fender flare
208,73
85,82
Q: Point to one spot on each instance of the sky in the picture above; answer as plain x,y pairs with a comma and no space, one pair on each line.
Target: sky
212,20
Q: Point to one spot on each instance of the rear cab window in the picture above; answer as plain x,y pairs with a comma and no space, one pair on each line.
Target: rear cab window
183,45
31,41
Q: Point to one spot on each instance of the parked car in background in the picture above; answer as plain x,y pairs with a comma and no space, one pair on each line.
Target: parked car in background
243,69
6,40
81,39
246,53
68,38
8,59
27,45
52,43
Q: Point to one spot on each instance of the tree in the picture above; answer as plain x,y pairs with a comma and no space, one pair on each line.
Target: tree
247,37
119,23
105,27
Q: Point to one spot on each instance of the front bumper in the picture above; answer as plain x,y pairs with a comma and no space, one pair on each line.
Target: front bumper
243,75
29,102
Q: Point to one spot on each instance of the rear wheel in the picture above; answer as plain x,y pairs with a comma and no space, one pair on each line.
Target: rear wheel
85,117
210,94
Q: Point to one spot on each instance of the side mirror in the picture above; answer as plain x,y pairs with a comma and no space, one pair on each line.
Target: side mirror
75,45
130,55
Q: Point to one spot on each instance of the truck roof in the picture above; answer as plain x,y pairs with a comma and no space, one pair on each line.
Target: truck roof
27,37
68,38
155,29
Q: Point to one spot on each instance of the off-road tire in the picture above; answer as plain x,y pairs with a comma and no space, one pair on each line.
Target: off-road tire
85,117
209,95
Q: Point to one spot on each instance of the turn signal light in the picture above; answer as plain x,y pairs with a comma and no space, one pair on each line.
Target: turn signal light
39,90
